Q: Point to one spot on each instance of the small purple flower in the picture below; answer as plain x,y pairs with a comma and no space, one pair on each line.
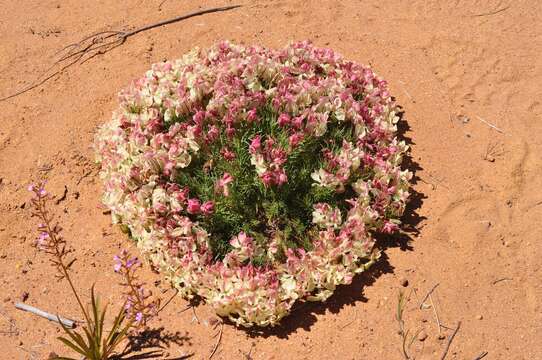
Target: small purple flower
132,262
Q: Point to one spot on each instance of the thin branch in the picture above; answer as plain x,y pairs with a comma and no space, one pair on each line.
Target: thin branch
490,125
499,280
428,294
169,300
481,356
100,43
218,340
435,312
195,316
68,323
493,12
450,339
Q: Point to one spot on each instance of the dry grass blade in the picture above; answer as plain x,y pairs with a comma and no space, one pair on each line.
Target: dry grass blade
428,294
481,356
100,43
450,339
215,348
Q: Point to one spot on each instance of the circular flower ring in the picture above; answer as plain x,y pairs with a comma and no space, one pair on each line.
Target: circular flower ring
254,177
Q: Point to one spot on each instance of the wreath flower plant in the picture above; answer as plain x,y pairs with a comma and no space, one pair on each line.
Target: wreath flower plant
253,177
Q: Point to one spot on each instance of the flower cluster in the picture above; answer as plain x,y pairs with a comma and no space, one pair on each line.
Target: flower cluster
139,308
50,239
255,177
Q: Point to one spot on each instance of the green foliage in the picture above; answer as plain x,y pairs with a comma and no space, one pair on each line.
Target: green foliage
253,208
94,343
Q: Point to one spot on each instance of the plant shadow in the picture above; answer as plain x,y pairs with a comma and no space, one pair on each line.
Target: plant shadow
151,343
304,315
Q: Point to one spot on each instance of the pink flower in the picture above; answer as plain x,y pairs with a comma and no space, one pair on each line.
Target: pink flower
227,154
297,122
208,208
221,185
230,131
283,120
198,117
295,139
181,195
252,115
282,178
255,144
389,227
267,178
193,206
212,133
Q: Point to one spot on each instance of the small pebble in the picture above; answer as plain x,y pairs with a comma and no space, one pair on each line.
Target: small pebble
404,282
24,296
422,336
441,337
479,317
463,118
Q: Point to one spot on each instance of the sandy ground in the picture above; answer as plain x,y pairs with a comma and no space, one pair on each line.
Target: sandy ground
455,66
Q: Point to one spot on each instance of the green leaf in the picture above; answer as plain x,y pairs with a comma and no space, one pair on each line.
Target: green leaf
73,346
76,337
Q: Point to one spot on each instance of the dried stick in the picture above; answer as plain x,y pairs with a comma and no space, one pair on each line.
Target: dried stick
100,43
218,340
428,294
195,317
435,312
66,322
493,12
450,339
490,125
481,356
502,279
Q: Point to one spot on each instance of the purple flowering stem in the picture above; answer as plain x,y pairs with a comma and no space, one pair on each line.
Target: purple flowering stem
43,214
66,322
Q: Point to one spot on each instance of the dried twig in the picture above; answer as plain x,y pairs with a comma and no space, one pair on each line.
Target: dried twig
66,322
86,174
492,12
499,280
490,125
160,5
347,324
450,339
406,343
428,294
63,197
13,329
481,356
215,348
100,43
435,312
195,317
169,300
